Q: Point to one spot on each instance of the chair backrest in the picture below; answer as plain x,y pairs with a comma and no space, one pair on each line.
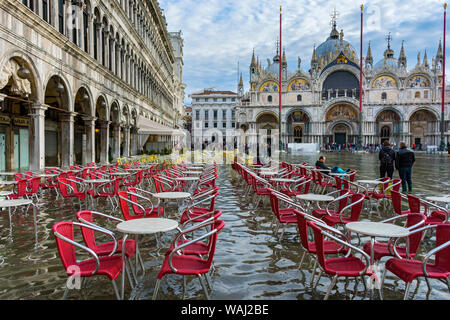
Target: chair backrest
302,224
416,238
414,203
125,201
33,185
396,198
318,241
88,234
66,250
442,258
63,187
356,206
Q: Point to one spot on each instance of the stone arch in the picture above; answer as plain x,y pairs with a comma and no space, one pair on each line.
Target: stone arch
102,111
90,96
385,74
37,93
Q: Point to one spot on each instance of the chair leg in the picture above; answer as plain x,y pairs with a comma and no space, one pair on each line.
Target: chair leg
66,292
317,280
204,287
116,290
405,297
333,282
155,292
301,260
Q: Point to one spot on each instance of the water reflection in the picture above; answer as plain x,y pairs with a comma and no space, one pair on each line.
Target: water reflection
250,262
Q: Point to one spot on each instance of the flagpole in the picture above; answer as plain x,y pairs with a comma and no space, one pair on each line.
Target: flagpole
359,146
443,145
280,88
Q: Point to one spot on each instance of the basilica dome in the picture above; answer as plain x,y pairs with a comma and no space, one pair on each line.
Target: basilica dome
334,45
391,63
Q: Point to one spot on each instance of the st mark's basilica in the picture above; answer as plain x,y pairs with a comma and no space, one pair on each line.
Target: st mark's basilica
400,102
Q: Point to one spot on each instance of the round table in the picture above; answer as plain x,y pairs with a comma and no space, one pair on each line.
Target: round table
18,203
312,197
119,174
91,183
192,172
340,174
8,183
145,226
442,199
6,193
268,173
170,196
377,229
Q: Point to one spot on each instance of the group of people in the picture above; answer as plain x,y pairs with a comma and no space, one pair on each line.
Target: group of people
402,160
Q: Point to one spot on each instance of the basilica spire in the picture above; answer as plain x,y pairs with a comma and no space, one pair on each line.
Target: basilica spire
284,61
402,61
440,54
253,64
369,57
334,32
425,60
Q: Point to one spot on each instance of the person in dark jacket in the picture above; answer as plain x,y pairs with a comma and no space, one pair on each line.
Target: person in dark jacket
404,162
321,163
387,159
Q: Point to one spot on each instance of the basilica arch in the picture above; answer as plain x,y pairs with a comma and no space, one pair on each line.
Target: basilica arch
341,123
424,128
298,126
389,125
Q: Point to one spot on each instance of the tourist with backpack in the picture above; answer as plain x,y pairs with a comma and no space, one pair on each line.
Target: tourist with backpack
387,160
404,162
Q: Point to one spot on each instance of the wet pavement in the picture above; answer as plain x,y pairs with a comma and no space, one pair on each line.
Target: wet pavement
250,261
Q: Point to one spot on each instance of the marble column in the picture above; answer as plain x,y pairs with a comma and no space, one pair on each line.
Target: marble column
37,137
91,34
104,141
112,49
134,141
67,138
89,152
106,48
126,137
116,142
98,40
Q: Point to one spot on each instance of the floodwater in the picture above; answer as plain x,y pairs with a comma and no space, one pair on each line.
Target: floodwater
250,261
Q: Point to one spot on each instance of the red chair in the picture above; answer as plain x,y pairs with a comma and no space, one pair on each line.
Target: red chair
341,200
391,249
110,266
71,189
408,270
396,199
33,185
206,199
154,211
109,191
348,266
259,192
177,263
138,211
301,187
105,248
356,206
433,218
21,190
283,216
329,247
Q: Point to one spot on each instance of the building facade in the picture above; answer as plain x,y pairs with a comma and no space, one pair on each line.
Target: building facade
213,115
78,79
322,106
178,85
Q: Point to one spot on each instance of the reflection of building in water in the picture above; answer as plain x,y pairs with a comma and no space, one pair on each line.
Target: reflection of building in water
322,104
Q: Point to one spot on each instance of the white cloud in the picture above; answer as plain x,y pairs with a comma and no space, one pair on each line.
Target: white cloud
218,34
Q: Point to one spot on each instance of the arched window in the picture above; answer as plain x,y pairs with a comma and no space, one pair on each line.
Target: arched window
417,95
384,96
425,94
45,10
385,132
29,4
299,97
269,99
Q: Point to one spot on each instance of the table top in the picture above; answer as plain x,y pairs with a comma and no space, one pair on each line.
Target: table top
5,193
194,168
119,174
172,195
147,226
369,181
315,197
378,229
442,199
15,203
7,173
7,183
97,181
282,180
192,172
268,173
47,175
187,178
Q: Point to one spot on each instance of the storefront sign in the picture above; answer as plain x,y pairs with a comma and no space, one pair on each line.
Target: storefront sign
24,122
4,119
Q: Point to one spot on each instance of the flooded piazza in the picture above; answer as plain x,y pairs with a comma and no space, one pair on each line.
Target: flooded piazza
250,262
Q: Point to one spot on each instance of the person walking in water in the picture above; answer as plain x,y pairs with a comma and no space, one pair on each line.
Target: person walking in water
387,159
404,162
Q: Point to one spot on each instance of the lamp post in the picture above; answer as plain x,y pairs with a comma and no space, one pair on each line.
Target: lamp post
359,145
280,89
443,146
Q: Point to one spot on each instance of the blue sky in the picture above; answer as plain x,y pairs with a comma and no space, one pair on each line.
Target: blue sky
218,34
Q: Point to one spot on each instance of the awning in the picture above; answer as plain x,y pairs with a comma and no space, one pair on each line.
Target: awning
148,127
